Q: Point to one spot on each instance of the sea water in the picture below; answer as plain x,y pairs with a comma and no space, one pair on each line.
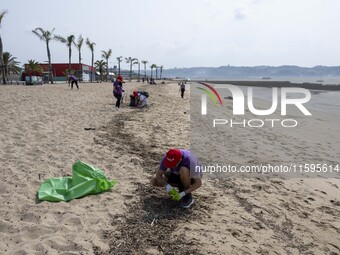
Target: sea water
321,100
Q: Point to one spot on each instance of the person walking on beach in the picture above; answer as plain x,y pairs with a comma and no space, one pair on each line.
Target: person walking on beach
118,90
182,89
73,80
178,169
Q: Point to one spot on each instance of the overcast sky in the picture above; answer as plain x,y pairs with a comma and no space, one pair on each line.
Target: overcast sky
180,33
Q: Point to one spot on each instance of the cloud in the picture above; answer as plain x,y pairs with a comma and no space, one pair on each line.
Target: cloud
255,1
240,13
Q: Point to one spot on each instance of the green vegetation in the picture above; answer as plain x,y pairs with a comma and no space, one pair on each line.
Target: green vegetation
107,55
10,65
100,65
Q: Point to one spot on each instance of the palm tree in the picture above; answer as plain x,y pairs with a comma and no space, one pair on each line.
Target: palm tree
91,46
152,67
10,65
135,62
131,61
144,62
100,65
78,45
119,60
160,75
32,68
46,36
68,41
2,14
107,55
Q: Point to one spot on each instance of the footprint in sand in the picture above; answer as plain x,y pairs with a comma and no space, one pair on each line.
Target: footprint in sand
333,185
334,202
323,192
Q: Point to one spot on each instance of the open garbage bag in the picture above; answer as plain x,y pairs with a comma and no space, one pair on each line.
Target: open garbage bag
85,179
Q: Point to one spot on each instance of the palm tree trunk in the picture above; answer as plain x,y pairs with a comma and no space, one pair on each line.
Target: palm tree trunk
107,69
92,65
130,70
49,64
118,67
2,62
81,68
69,61
145,71
6,74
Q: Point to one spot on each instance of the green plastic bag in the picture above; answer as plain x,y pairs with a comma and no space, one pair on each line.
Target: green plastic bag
86,179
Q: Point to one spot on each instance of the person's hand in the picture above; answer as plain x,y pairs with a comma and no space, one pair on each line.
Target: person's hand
175,195
172,192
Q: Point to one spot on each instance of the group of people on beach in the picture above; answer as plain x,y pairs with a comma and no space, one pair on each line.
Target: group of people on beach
140,98
149,81
178,167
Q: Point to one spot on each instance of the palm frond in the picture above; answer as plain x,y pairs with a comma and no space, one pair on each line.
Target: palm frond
2,15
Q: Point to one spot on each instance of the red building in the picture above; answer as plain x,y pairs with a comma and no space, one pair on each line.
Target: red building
60,71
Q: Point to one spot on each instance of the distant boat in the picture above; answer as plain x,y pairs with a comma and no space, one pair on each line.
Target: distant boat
266,78
320,81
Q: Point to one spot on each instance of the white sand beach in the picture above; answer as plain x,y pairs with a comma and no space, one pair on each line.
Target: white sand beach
45,129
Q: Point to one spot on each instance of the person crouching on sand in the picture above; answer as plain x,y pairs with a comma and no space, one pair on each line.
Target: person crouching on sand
178,169
73,80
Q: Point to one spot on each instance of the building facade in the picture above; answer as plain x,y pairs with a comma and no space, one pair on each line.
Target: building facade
60,71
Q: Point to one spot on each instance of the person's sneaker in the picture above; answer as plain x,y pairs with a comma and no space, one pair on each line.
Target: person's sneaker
117,108
186,201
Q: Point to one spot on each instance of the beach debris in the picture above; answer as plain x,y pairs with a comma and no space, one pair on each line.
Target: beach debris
86,179
334,202
89,128
153,221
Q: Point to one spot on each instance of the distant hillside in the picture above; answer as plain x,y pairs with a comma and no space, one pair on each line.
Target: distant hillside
252,72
